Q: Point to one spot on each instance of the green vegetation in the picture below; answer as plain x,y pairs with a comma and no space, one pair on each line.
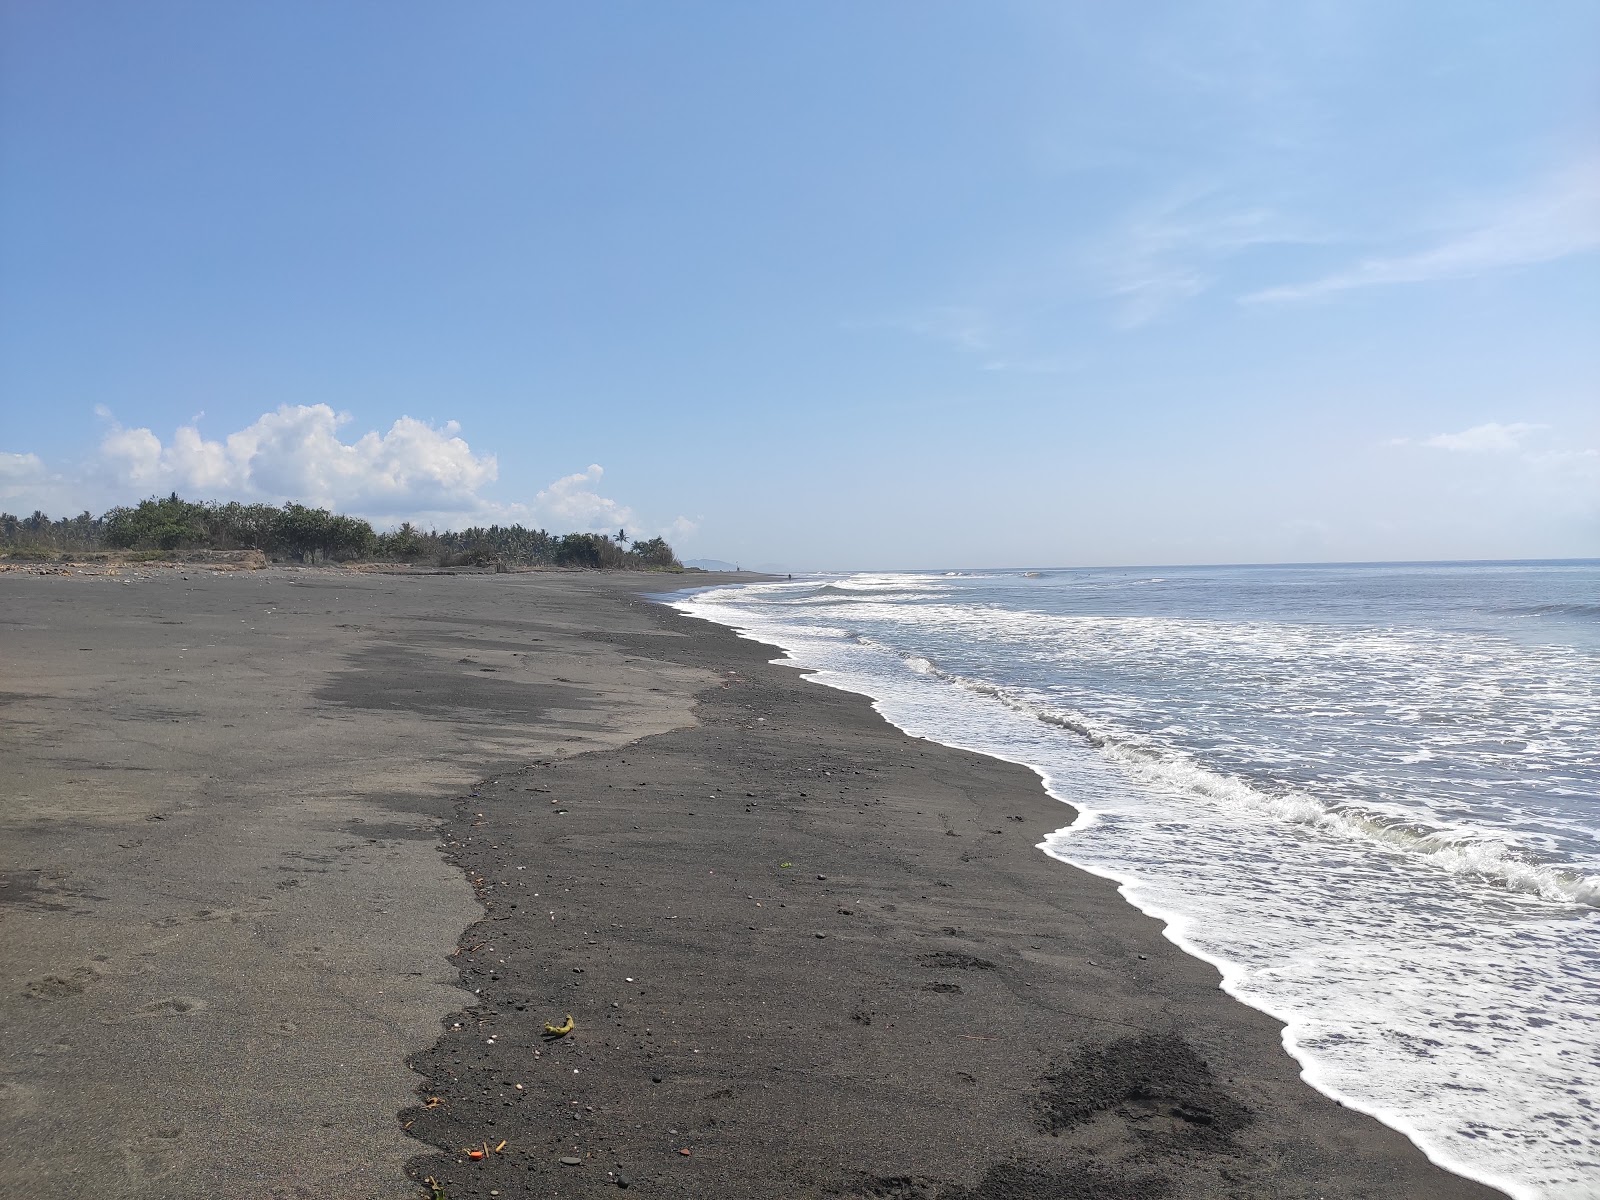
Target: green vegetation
164,526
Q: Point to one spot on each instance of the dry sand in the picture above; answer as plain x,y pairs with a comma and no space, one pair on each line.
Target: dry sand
820,956
225,919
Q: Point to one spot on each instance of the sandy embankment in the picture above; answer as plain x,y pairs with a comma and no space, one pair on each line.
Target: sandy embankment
821,957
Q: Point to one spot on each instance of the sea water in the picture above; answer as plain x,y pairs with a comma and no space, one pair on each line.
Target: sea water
1369,794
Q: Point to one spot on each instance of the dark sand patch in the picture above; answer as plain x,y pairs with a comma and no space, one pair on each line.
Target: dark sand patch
1155,1083
778,961
385,677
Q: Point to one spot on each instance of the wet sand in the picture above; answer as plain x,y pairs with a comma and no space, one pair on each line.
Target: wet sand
821,957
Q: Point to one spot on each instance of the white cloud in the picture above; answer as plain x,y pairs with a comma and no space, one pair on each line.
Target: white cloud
412,471
1155,259
295,453
19,471
1149,288
1556,220
20,475
572,504
1551,477
1175,251
26,484
681,529
1492,437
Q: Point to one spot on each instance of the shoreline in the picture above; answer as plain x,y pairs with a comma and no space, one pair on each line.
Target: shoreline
1391,1008
1216,1109
226,919
1175,924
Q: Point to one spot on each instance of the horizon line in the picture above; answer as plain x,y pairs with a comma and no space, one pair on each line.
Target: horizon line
1398,562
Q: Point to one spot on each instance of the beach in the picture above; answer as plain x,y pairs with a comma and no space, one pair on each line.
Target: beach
803,953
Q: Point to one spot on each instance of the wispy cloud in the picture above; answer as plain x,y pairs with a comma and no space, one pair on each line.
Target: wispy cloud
1030,366
1151,288
1492,437
964,327
1174,253
1150,262
1489,438
1556,220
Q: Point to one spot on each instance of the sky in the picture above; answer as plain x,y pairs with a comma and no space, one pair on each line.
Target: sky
822,285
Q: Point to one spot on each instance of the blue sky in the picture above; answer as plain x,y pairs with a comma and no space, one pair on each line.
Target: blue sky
822,284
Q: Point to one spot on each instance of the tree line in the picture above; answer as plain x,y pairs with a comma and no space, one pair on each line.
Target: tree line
310,535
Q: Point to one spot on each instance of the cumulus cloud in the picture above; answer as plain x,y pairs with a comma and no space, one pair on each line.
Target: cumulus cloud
680,529
1489,438
296,453
571,503
27,484
20,472
412,471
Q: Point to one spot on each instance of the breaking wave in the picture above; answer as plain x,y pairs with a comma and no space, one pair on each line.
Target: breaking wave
1584,611
1367,795
1472,854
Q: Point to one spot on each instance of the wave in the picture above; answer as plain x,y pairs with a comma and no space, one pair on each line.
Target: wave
841,593
909,582
1408,989
1462,852
1589,612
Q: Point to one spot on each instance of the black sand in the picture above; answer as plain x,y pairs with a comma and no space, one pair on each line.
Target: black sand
807,955
225,921
224,918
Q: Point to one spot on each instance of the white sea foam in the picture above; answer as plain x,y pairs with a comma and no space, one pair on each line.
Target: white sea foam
1425,931
1477,853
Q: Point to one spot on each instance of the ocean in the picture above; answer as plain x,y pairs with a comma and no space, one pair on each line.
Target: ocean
1369,794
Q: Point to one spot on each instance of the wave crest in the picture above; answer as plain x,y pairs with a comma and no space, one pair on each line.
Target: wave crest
1460,852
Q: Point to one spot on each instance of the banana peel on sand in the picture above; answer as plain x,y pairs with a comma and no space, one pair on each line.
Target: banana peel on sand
559,1031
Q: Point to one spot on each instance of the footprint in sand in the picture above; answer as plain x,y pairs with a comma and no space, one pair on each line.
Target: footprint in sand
62,987
54,987
15,1098
153,1154
176,920
171,1006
